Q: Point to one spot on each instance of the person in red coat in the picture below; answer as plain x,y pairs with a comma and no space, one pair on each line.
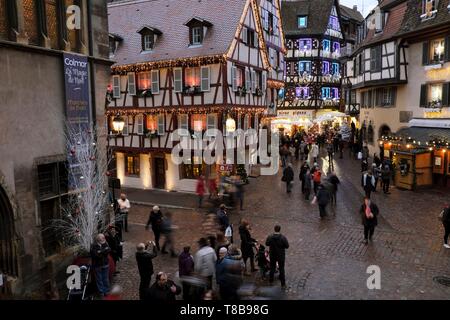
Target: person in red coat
200,190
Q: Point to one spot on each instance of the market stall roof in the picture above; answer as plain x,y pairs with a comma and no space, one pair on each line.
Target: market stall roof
330,116
425,134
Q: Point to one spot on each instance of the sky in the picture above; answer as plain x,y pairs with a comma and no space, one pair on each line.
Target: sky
366,4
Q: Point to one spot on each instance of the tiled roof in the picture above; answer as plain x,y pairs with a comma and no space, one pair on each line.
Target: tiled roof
350,13
169,16
318,12
413,22
392,27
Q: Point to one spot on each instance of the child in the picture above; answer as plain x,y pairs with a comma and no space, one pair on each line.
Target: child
262,258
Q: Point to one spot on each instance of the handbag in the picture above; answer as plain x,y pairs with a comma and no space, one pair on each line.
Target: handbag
360,155
283,178
228,232
314,200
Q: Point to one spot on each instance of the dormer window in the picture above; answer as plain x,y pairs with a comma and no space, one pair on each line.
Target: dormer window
429,9
302,22
149,36
114,41
197,30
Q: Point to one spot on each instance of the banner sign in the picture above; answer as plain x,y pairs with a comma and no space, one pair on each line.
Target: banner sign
77,89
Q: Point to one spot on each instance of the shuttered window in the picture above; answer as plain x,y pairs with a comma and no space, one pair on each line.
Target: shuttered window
264,82
161,125
116,87
140,124
183,124
132,84
254,81
205,81
248,80
155,81
178,79
234,78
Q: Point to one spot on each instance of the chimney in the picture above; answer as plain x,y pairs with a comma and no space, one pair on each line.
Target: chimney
355,8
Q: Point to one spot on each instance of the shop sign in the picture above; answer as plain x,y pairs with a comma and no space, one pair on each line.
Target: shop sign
295,113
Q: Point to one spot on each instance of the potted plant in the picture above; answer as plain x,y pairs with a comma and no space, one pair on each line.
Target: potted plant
144,93
151,134
242,91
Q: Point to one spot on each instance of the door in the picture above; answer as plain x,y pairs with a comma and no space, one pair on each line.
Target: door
160,173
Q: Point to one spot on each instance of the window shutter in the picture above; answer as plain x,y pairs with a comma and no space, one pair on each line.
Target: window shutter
446,94
244,35
205,81
155,81
393,95
234,78
255,40
239,121
116,87
125,126
178,79
140,124
264,82
447,48
183,124
425,53
256,125
161,125
246,118
132,84
254,82
423,96
248,81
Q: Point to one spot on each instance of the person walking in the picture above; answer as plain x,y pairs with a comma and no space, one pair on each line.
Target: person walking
224,276
302,174
224,221
313,154
200,190
445,218
163,290
155,219
323,199
100,263
112,237
144,259
288,177
330,152
317,179
386,178
369,212
239,192
247,244
368,183
167,231
186,269
334,180
124,207
341,147
308,182
377,175
205,261
277,244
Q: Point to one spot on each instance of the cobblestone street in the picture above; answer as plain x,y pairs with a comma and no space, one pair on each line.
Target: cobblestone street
326,259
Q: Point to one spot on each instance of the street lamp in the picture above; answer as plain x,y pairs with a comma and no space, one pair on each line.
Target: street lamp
230,124
118,123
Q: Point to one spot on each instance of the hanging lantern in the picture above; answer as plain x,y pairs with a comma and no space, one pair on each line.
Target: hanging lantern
230,124
118,123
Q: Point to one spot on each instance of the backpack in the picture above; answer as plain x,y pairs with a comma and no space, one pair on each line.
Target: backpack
317,176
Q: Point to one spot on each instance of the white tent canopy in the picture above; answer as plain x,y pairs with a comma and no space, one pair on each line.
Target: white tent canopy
330,116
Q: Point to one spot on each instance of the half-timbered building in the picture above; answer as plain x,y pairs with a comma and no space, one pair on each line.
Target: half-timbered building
314,41
181,65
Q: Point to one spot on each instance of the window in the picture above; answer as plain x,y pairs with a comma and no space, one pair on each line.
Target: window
326,93
336,47
335,94
375,58
147,42
198,122
116,87
305,44
205,81
246,122
437,50
140,124
237,75
131,84
304,66
302,92
183,124
252,39
211,121
144,81
196,35
248,80
125,126
152,123
325,67
193,77
335,68
161,125
360,64
270,23
435,94
132,165
326,45
334,23
178,80
428,8
155,81
193,171
254,81
302,22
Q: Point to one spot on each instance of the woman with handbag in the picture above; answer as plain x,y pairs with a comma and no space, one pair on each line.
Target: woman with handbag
369,212
247,244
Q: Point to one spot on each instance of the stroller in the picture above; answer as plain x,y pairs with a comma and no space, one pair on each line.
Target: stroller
263,260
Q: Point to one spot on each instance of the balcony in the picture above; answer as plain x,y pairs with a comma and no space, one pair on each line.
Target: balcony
353,109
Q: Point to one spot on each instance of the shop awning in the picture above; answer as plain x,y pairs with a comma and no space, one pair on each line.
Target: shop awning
423,134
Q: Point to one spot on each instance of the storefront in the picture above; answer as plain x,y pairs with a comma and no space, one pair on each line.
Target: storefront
291,121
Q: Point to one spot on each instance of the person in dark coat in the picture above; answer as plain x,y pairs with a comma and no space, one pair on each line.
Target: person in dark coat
446,224
155,219
224,220
369,212
113,239
277,244
100,263
144,261
386,178
323,199
334,180
185,269
247,244
368,183
163,290
308,184
167,231
288,177
302,174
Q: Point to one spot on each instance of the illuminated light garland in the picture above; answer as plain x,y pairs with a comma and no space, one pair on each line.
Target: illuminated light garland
436,143
183,110
180,62
275,84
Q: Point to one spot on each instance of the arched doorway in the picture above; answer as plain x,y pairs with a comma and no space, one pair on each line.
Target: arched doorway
8,257
384,131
